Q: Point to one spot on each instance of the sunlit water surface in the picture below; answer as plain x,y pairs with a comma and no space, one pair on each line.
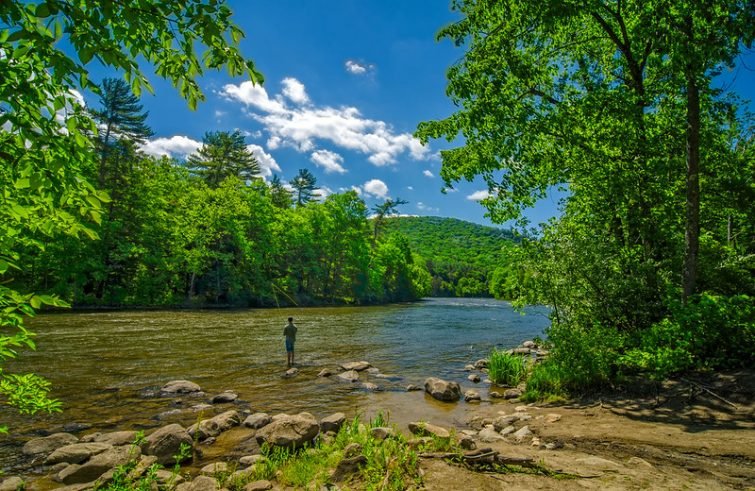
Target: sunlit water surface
103,366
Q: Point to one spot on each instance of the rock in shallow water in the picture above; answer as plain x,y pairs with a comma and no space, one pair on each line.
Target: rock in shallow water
442,389
289,430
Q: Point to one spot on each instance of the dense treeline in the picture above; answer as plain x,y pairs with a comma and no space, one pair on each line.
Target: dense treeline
464,259
210,231
651,267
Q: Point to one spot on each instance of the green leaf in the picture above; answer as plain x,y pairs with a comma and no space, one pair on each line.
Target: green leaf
22,183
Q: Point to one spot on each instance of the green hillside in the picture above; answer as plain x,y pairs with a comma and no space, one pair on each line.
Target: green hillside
461,256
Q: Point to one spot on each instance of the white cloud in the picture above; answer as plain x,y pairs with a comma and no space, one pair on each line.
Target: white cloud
268,165
294,90
376,188
479,195
330,161
173,146
322,192
357,68
423,207
427,173
302,128
410,188
356,189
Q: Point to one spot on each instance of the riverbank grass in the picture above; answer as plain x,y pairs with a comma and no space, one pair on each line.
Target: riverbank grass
506,369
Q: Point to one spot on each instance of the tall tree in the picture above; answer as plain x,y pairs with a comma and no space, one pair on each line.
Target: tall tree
280,196
304,185
386,208
43,142
223,154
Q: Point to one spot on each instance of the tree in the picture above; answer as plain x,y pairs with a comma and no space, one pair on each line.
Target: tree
44,145
386,208
304,184
223,154
280,196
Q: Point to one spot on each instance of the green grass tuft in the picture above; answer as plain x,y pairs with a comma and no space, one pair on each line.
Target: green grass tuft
506,369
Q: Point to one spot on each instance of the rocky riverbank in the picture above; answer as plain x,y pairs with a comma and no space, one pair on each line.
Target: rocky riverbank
691,435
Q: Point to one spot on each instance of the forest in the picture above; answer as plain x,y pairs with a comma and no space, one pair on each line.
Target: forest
650,270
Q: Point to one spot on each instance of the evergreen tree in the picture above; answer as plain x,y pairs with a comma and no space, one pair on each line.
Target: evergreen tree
280,196
304,183
223,154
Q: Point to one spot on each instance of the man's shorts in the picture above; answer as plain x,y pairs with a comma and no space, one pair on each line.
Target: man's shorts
289,346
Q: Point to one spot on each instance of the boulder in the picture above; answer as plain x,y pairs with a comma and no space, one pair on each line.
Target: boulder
469,368
489,435
47,444
76,453
349,376
325,372
289,431
370,386
474,378
12,483
249,460
507,431
480,364
201,483
502,422
257,420
382,432
495,394
261,485
472,396
165,477
529,345
214,468
291,372
357,366
116,438
216,425
332,422
412,388
225,396
180,387
467,442
442,389
512,394
99,465
165,443
522,434
347,467
145,462
421,428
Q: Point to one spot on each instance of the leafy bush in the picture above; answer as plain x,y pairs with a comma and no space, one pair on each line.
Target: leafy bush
547,381
506,369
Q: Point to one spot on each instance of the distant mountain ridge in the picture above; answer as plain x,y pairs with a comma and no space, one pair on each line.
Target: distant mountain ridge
461,256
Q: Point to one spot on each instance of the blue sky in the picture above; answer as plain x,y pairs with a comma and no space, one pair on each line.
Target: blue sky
346,82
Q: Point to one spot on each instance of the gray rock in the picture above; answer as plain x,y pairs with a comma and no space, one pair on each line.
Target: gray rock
47,444
116,438
495,395
357,366
421,428
467,442
349,376
382,432
325,372
489,435
469,368
203,483
557,444
347,467
249,460
522,434
291,372
180,387
99,465
289,431
373,370
201,407
12,484
332,422
166,442
529,345
482,363
370,386
412,388
216,425
508,430
225,396
474,378
416,443
512,394
165,476
472,396
257,420
261,485
502,422
76,453
552,418
214,468
145,462
442,389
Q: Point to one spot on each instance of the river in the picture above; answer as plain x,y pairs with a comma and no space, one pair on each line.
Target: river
105,366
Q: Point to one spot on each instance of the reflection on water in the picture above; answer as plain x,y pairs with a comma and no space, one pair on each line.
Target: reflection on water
101,363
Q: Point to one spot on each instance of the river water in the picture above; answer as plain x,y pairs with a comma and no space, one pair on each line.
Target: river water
105,366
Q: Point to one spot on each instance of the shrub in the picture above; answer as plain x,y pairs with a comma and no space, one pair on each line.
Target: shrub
506,369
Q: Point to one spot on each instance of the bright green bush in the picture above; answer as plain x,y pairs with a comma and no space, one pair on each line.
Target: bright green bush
506,369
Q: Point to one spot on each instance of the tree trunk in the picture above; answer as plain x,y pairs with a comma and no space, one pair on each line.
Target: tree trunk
692,233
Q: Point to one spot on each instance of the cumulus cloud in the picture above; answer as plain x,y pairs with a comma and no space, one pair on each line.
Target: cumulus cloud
330,161
423,207
303,127
294,90
322,192
174,146
358,68
268,165
479,195
410,188
376,188
427,173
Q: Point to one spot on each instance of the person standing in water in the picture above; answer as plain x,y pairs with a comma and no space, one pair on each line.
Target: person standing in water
290,333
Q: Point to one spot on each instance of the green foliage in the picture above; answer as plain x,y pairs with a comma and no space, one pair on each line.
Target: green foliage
506,369
464,259
223,154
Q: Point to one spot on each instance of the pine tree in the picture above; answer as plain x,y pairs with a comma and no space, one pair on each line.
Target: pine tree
304,183
280,196
223,154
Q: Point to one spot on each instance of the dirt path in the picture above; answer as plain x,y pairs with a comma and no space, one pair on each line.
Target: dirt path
685,438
